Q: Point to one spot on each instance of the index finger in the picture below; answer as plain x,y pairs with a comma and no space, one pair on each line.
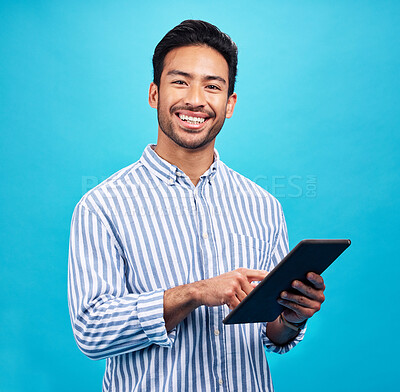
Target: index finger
255,275
316,280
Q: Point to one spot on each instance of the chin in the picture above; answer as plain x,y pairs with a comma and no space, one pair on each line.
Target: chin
191,145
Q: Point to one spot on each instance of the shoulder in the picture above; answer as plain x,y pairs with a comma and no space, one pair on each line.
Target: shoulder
114,187
245,186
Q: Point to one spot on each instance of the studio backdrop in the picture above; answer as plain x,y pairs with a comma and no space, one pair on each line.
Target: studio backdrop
316,124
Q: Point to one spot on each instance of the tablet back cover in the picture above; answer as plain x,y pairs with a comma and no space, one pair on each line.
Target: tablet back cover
307,256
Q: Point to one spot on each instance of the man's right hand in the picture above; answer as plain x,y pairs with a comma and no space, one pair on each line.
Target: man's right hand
229,288
226,289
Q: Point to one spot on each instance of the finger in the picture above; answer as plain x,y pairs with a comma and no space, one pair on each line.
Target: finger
316,280
241,295
309,291
240,282
300,299
254,275
247,287
233,303
298,309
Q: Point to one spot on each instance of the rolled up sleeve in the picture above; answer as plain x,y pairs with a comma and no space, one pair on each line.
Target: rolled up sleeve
106,319
272,347
150,312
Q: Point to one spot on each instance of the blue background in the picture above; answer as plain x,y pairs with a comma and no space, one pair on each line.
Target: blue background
316,124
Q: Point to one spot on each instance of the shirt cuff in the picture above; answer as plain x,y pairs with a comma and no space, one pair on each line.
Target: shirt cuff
272,347
150,309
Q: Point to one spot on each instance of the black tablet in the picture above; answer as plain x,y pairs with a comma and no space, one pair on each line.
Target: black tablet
307,256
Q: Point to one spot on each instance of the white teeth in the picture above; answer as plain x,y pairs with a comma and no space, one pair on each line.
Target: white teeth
192,120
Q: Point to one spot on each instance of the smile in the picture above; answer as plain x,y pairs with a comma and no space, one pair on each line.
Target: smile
191,120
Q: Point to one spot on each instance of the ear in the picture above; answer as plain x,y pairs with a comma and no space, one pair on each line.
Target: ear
153,95
230,106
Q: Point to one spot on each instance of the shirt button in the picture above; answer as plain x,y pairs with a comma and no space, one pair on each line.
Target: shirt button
216,332
220,381
205,236
171,181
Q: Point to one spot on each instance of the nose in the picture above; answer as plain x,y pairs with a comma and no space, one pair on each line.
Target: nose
195,96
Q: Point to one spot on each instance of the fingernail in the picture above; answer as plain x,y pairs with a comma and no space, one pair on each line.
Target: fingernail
284,294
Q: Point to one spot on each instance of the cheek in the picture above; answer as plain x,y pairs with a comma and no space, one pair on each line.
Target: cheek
169,101
219,106
222,111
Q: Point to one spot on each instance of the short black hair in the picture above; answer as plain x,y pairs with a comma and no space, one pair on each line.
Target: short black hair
196,32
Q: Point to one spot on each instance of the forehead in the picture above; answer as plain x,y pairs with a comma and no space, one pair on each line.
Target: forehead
197,60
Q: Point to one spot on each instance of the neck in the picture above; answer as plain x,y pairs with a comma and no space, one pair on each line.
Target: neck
192,162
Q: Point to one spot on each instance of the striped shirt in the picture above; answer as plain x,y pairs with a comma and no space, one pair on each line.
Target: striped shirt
146,229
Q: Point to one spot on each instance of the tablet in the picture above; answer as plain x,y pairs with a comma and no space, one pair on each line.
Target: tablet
307,256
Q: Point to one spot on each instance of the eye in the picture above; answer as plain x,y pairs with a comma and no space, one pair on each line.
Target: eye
213,87
179,82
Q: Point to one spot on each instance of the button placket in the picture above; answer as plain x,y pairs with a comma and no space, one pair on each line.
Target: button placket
210,265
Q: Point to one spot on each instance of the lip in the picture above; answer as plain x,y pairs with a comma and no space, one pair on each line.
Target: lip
186,125
192,114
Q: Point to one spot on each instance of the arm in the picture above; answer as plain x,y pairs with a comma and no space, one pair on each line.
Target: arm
226,289
232,287
106,319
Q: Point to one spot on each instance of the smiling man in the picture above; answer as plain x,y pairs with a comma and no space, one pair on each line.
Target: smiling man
163,249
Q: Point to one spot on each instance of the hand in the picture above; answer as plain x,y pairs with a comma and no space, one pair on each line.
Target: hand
229,288
301,307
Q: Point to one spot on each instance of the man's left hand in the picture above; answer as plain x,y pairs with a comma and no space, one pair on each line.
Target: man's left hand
303,305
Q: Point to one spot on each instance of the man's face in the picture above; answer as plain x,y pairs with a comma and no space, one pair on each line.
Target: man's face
192,100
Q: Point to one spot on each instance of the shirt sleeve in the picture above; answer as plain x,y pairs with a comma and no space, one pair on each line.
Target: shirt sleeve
280,250
106,319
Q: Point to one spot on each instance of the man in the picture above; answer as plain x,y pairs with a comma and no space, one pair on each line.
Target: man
161,250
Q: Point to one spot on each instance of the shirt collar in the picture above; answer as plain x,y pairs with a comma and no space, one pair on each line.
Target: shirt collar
168,172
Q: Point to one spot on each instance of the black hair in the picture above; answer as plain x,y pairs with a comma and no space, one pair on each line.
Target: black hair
196,32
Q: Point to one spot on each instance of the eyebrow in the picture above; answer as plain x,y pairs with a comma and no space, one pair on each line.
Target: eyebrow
190,76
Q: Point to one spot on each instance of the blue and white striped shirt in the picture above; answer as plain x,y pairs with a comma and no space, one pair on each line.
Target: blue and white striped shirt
146,229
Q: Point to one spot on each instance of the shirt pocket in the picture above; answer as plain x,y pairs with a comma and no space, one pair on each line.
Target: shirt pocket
248,252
